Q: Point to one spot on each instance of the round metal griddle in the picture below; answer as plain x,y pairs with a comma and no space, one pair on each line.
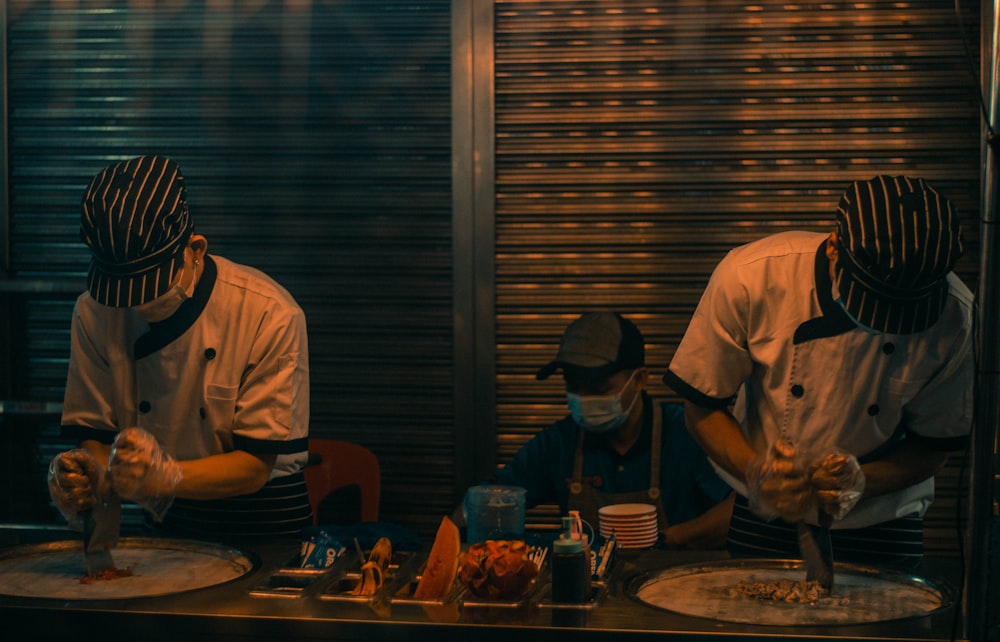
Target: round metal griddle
860,594
159,567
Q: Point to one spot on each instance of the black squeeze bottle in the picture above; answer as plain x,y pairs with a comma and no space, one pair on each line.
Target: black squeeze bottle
570,568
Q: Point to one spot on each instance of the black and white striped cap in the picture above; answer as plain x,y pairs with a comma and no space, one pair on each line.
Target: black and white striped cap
898,241
135,221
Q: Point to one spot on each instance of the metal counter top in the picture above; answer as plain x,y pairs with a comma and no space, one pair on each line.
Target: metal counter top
232,611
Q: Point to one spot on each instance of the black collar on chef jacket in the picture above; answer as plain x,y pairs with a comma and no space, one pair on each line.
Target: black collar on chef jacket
834,320
162,333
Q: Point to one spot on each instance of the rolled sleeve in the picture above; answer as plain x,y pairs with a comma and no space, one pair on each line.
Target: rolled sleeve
92,384
712,359
273,400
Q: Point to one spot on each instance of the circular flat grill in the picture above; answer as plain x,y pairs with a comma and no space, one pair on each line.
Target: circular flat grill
860,595
159,567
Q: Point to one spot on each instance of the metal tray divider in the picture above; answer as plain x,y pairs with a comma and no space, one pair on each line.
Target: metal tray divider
321,577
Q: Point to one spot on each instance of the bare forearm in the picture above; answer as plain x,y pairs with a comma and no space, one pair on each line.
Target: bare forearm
226,475
721,437
707,531
100,451
905,465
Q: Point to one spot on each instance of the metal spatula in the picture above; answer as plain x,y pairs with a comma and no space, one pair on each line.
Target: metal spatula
101,526
817,550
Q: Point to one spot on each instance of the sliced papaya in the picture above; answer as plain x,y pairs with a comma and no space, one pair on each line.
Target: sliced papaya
439,573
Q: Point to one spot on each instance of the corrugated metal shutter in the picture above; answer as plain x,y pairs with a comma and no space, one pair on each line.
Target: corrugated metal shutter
637,141
316,142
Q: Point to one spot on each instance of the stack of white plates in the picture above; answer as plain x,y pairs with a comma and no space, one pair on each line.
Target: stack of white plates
634,525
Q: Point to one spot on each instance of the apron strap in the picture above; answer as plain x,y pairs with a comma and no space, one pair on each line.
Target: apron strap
576,485
654,455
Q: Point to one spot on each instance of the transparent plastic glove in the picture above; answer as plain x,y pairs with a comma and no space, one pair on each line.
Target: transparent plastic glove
75,480
778,484
838,482
142,472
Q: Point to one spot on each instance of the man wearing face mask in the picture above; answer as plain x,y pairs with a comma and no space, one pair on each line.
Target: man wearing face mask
188,382
849,356
618,445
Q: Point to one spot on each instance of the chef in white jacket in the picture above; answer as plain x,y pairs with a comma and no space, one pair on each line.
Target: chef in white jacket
188,382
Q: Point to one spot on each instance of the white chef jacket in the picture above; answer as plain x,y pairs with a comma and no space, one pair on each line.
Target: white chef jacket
229,370
768,334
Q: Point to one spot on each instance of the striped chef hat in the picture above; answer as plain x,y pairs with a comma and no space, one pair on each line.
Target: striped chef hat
898,240
135,221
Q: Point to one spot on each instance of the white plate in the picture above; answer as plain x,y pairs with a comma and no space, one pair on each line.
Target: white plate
637,538
626,518
606,525
645,519
632,524
633,538
626,510
638,543
636,523
626,533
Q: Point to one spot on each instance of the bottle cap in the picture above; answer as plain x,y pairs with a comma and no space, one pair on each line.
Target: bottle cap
565,545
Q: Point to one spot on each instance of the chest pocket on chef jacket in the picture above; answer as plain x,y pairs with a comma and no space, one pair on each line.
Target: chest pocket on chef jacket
895,394
220,404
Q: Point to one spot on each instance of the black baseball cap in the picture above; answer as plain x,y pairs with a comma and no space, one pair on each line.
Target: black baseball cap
596,346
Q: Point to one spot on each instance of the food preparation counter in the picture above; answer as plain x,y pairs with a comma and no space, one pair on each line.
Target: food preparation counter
269,602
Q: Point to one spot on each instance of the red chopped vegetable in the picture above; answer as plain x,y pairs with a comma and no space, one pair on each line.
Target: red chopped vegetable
107,574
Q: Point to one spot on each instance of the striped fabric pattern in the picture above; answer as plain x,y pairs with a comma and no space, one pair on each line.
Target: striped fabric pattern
897,544
898,240
136,222
280,509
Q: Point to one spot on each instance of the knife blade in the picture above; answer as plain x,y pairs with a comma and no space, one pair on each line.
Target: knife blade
101,527
817,550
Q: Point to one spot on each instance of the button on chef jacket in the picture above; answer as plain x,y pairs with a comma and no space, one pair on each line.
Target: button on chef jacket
768,333
229,370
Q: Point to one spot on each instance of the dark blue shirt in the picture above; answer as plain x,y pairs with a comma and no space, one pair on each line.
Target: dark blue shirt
688,483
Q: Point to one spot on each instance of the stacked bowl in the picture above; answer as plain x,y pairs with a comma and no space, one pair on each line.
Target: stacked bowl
634,525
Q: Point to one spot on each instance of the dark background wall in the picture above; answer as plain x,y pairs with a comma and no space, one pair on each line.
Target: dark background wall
445,184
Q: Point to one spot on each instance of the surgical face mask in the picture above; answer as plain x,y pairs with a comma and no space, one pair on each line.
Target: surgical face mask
166,304
600,413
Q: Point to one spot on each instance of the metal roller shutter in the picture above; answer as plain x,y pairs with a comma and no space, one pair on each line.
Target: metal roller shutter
633,144
316,142
637,141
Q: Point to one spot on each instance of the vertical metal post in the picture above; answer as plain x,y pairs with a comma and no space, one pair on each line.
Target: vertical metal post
6,306
473,245
4,167
981,564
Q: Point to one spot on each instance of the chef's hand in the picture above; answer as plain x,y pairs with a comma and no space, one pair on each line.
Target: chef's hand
75,482
778,486
142,472
839,482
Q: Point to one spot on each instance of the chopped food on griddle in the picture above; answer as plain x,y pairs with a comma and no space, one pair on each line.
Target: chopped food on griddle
801,592
107,574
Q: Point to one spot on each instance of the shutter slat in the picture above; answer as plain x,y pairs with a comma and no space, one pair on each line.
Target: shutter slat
315,146
638,141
